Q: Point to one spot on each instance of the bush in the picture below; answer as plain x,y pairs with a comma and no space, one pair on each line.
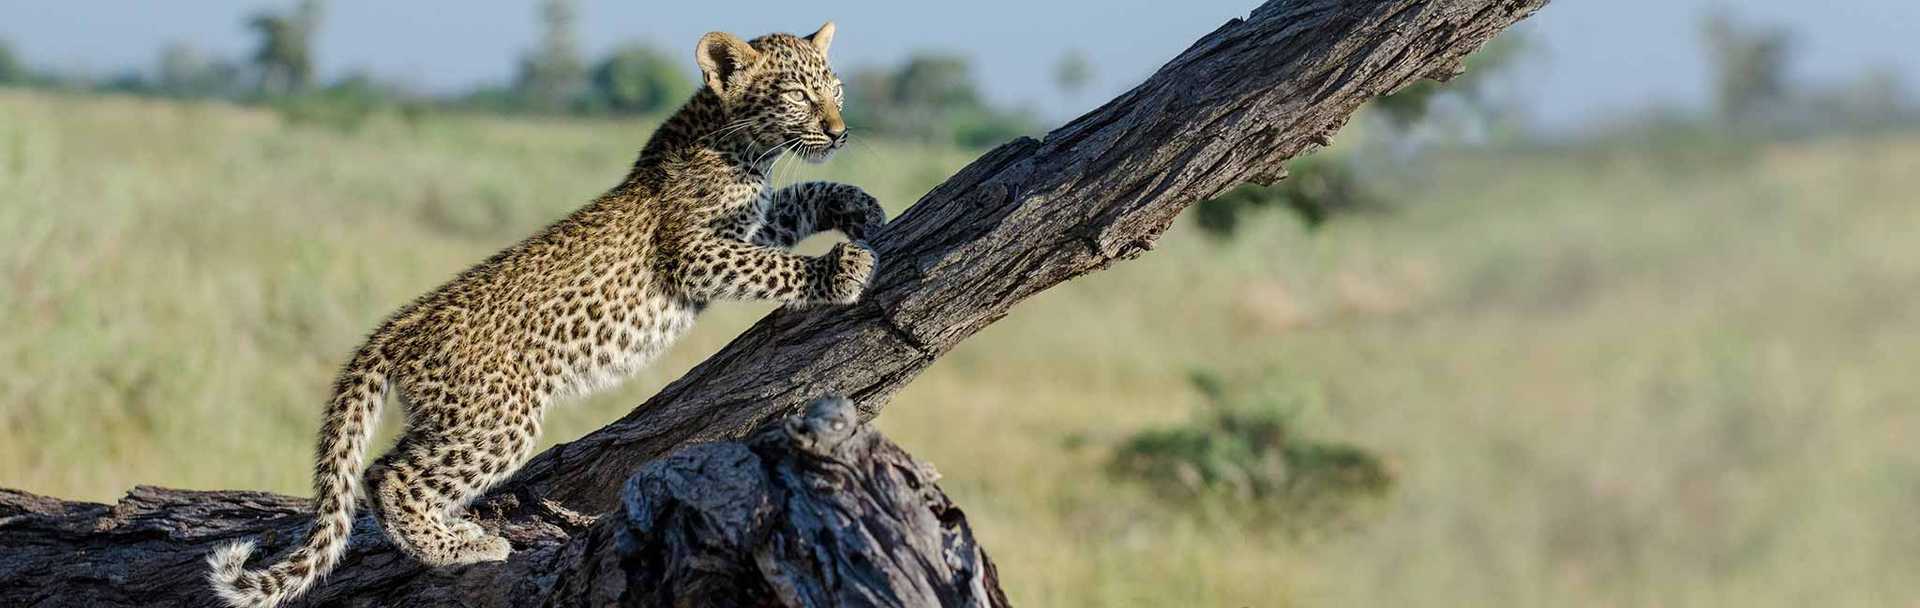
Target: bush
1317,189
984,127
931,97
1410,106
183,71
637,79
11,70
345,105
1247,449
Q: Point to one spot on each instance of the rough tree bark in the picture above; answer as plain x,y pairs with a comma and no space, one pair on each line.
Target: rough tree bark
818,511
1024,217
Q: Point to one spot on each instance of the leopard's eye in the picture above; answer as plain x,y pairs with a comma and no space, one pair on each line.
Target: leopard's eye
839,93
795,97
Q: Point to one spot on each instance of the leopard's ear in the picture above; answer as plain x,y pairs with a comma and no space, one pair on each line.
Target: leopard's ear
722,57
823,38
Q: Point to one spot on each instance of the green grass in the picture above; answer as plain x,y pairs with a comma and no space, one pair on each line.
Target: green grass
1599,379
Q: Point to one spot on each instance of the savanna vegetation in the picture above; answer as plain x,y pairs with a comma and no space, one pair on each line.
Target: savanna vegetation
1664,364
1613,374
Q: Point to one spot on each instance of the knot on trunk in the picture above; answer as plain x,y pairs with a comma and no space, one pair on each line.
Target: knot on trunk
816,509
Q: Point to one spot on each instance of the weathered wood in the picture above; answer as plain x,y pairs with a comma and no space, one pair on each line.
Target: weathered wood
817,511
1026,216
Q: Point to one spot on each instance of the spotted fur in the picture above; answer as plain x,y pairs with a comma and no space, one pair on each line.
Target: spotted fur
581,305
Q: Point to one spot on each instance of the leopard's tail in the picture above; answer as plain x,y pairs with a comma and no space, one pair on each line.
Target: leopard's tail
341,459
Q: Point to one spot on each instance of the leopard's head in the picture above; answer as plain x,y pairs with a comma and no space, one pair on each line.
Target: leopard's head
777,90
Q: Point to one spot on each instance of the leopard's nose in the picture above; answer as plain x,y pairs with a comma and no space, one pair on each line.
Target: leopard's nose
834,129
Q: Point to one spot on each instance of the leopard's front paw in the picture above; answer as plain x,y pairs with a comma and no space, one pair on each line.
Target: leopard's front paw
860,215
850,268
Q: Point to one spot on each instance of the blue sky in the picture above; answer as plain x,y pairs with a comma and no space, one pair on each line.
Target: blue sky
1594,57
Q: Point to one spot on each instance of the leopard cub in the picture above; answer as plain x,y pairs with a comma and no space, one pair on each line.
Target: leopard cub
579,306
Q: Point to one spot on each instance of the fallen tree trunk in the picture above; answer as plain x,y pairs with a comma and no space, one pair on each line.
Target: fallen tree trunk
818,511
1023,218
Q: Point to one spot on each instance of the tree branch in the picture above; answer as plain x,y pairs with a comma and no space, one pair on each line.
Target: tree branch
1021,219
1032,214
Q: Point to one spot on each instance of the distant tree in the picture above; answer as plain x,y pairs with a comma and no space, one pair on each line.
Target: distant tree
932,97
553,75
284,52
181,69
986,126
11,70
1877,95
1073,72
128,81
1324,186
638,79
184,71
1875,98
1749,64
1319,187
1411,105
936,81
344,105
869,97
498,98
929,97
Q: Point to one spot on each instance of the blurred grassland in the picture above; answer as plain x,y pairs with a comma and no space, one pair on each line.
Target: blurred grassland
1640,377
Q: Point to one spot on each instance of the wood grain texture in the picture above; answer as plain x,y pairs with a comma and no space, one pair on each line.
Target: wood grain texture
1024,217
